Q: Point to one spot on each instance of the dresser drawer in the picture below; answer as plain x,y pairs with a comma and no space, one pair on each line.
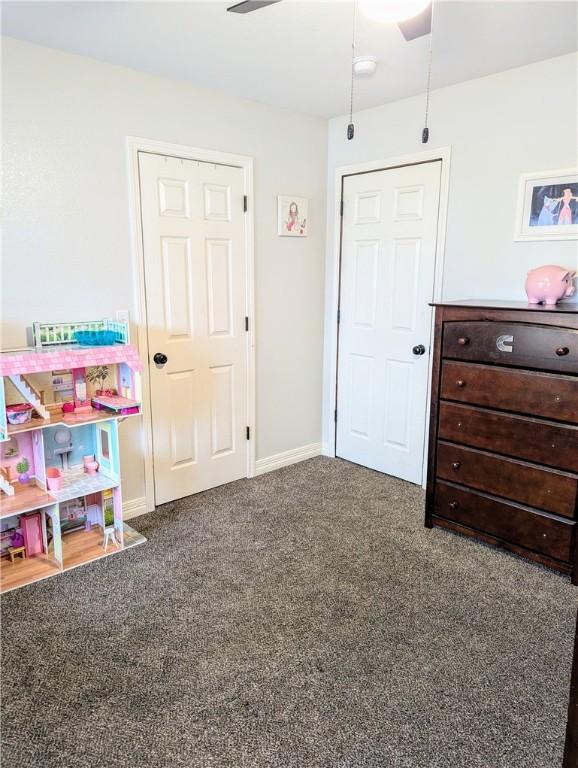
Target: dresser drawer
543,442
519,344
519,525
525,483
540,394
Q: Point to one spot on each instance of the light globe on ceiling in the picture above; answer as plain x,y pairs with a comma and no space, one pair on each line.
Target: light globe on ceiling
364,66
385,11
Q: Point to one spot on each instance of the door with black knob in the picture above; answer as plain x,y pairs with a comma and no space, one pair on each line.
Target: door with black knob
388,255
193,226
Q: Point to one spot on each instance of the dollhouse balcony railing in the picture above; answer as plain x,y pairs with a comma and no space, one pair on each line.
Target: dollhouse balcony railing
50,334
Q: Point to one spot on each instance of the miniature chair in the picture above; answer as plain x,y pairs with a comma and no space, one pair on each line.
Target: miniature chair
109,536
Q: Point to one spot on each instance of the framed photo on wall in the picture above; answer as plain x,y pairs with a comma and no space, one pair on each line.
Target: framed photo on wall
548,206
292,213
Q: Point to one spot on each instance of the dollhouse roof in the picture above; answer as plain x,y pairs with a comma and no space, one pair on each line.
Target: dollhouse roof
67,357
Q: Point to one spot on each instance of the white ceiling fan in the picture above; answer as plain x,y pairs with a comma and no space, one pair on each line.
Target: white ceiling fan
413,17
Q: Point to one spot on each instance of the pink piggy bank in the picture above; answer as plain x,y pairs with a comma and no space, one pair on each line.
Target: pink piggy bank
548,284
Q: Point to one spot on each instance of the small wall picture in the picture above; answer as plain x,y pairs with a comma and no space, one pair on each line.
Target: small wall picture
292,216
548,206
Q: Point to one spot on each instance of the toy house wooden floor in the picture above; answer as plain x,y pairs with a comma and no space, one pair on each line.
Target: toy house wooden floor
78,548
26,497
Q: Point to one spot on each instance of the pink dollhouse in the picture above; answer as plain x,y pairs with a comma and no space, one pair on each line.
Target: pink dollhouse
60,406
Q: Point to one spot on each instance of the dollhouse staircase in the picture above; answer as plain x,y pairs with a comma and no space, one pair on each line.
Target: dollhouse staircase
5,485
27,391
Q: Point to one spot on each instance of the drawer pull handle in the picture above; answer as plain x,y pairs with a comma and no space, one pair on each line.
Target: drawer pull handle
453,505
463,340
561,351
456,464
460,383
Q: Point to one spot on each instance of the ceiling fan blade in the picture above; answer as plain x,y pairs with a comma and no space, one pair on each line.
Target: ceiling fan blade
251,5
419,26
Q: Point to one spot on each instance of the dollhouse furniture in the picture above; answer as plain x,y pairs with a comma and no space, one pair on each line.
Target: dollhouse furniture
503,447
72,515
15,551
70,446
109,536
31,527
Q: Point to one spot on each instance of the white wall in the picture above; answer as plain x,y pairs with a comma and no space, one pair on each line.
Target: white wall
67,251
498,127
67,237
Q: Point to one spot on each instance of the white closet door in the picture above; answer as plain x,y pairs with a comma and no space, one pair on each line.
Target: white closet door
387,274
194,257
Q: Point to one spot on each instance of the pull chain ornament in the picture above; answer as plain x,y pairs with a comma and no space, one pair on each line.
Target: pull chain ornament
425,132
351,127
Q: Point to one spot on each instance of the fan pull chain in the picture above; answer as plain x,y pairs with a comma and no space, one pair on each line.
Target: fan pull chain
425,132
351,127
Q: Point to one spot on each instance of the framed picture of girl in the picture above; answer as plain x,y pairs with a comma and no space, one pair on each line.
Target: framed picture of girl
292,216
548,206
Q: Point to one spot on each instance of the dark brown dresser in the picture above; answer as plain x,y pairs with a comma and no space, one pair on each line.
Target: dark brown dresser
571,747
503,445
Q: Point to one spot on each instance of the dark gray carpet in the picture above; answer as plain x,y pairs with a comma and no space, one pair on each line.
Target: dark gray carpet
305,618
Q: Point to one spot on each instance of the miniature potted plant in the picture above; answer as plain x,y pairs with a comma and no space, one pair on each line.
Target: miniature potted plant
97,375
22,468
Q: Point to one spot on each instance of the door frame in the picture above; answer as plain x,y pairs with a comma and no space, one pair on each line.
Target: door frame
134,146
332,333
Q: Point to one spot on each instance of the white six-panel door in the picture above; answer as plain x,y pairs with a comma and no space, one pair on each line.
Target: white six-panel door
193,228
388,254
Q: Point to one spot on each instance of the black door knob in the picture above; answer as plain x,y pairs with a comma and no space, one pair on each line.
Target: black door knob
160,358
419,349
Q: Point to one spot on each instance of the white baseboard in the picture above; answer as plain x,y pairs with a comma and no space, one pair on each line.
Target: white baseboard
134,508
286,458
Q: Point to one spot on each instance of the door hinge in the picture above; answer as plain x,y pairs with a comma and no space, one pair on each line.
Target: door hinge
341,208
335,415
246,323
248,433
338,316
245,203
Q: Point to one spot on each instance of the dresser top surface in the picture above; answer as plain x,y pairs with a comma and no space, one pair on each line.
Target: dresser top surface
570,307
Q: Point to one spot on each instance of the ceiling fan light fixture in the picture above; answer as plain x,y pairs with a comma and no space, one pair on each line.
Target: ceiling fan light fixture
364,66
385,11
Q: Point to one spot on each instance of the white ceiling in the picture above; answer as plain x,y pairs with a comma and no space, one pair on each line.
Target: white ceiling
297,54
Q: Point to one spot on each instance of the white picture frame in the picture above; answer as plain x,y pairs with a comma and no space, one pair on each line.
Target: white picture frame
541,198
292,216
